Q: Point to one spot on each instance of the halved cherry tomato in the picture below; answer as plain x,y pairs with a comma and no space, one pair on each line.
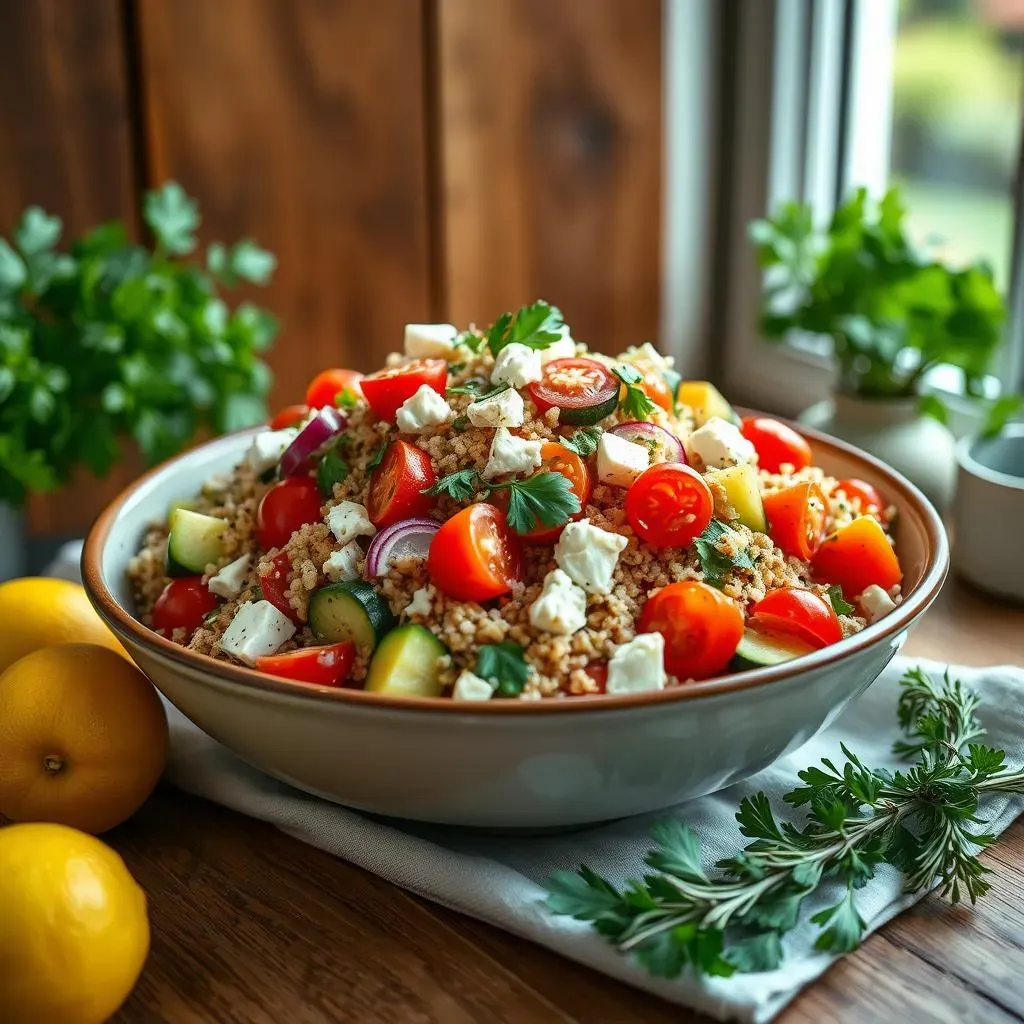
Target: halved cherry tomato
288,416
776,444
475,556
285,508
328,665
798,613
325,387
701,626
184,603
856,556
584,390
557,459
796,519
275,584
397,485
868,495
669,505
387,389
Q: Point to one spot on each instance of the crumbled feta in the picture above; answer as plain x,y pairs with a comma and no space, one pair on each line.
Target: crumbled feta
217,485
561,606
718,444
647,355
348,520
588,555
421,602
258,629
875,603
564,348
620,462
471,687
638,666
423,410
227,583
516,365
430,341
504,409
343,565
267,448
511,454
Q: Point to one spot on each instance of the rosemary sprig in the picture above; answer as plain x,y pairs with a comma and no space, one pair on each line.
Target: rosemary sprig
923,820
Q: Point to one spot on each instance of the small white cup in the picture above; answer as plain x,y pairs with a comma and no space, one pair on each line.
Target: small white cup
988,513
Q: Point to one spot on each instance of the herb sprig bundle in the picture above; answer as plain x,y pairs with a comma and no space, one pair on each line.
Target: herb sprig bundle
923,820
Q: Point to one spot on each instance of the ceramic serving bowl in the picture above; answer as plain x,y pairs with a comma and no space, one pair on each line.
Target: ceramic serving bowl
509,764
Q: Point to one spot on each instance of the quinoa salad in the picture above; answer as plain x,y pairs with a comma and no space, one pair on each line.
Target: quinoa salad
501,513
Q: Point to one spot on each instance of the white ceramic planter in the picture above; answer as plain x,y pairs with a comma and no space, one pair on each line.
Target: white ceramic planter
895,431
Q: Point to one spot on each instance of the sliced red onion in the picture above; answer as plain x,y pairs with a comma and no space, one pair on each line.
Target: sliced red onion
409,538
312,441
654,437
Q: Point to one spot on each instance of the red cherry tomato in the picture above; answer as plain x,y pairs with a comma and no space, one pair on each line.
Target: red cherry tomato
856,556
796,519
475,556
669,505
285,508
797,613
583,389
776,444
871,501
557,459
701,626
325,387
327,666
288,416
397,485
184,603
275,584
387,389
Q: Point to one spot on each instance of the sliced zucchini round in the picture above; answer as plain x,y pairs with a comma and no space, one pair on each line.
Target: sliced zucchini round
353,610
405,663
193,542
585,416
757,650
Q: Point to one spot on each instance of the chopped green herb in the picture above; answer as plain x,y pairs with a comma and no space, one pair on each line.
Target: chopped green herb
332,469
345,399
635,403
378,456
715,563
454,368
584,441
459,486
504,665
536,326
460,423
544,499
479,388
471,340
839,603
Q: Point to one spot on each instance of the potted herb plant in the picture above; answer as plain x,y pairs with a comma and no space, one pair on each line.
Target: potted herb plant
892,314
108,340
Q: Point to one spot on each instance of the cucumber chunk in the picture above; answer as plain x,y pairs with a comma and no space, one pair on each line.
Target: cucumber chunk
405,663
352,610
759,649
744,493
194,541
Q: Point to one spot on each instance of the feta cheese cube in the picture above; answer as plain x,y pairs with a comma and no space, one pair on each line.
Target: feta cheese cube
511,454
588,555
504,409
348,520
561,607
421,602
516,365
620,462
430,341
718,444
267,448
638,666
564,348
422,410
471,687
227,582
875,602
258,629
343,564
648,356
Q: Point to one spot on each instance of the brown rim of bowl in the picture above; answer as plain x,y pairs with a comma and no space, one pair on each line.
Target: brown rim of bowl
900,491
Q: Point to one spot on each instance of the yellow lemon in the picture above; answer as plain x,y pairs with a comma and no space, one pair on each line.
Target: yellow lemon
74,933
36,612
83,737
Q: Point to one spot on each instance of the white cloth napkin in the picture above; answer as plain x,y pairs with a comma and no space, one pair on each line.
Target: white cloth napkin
496,879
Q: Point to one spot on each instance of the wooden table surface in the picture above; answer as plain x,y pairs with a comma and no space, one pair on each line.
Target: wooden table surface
253,927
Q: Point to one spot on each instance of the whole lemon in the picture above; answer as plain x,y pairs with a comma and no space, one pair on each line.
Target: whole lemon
36,611
74,933
83,737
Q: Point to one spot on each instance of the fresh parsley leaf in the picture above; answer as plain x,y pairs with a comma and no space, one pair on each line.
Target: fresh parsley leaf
635,403
839,603
478,388
584,441
505,666
173,216
13,273
38,232
459,486
544,499
244,261
471,340
536,326
715,563
454,368
378,456
332,469
844,926
497,336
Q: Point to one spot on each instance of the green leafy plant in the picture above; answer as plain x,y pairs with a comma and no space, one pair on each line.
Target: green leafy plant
111,339
924,820
892,312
